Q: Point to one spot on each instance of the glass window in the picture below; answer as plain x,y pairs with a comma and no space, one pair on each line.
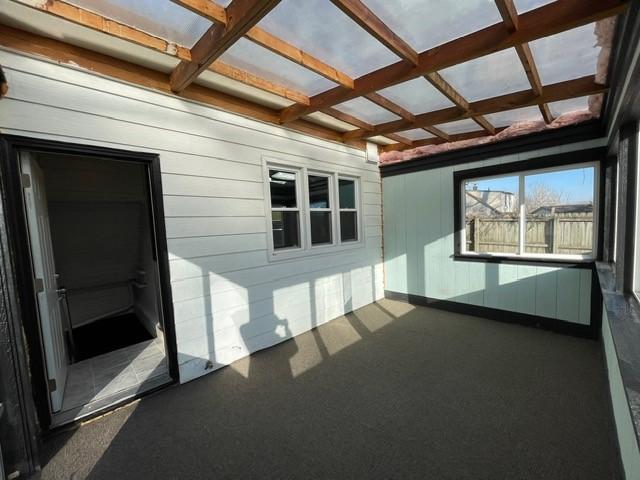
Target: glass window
559,207
491,212
320,214
544,212
285,212
348,210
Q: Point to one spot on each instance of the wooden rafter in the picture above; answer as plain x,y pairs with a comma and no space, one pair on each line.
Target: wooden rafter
214,12
546,20
390,106
550,93
242,15
78,57
260,83
437,132
510,18
363,16
452,94
102,24
436,141
96,22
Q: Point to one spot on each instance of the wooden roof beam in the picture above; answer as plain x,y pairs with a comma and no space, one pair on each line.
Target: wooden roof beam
452,94
78,57
390,106
436,141
546,20
510,18
369,21
525,98
96,22
248,78
216,13
437,132
107,26
242,15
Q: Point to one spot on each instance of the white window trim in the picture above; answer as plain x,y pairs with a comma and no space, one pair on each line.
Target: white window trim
356,189
521,195
302,172
331,209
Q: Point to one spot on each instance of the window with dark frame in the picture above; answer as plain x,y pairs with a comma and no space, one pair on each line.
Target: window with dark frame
547,213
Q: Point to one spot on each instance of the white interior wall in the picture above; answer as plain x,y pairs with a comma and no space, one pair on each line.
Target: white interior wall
229,299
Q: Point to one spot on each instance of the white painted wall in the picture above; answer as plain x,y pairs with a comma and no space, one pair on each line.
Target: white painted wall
229,299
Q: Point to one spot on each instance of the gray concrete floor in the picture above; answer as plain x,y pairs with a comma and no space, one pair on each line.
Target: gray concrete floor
390,391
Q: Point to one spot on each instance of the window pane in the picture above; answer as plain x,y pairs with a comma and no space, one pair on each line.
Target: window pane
491,212
347,193
348,226
286,233
318,192
283,189
560,212
320,228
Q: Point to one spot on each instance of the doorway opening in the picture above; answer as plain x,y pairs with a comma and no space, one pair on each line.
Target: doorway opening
94,258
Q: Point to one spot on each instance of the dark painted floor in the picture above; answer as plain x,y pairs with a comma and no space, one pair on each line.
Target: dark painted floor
391,391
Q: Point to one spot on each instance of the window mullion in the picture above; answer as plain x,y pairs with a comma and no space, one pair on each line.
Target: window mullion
522,216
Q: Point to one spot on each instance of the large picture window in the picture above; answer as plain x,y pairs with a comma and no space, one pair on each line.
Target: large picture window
311,210
540,213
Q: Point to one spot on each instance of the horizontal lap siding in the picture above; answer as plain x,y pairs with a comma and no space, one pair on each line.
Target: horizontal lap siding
229,299
419,248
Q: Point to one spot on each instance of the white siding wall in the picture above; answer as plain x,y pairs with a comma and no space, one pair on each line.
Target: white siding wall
229,299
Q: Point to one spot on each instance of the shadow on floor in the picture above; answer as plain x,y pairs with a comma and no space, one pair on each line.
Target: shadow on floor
389,391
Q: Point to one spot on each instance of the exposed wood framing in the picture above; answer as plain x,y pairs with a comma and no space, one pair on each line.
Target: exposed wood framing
437,132
78,57
102,24
550,93
390,106
510,18
436,141
216,13
368,20
242,15
547,20
452,94
260,83
96,22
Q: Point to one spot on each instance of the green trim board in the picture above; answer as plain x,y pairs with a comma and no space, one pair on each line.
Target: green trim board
419,257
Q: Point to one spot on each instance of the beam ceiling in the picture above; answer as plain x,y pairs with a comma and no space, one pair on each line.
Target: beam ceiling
239,19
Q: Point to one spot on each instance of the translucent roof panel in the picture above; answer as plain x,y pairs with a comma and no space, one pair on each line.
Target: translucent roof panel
416,134
509,117
425,24
567,106
417,96
163,19
461,126
366,111
322,30
248,56
488,76
526,5
567,55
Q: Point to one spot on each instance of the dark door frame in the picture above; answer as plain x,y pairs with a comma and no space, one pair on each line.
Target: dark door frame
19,252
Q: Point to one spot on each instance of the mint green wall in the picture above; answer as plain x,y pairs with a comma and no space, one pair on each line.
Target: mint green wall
418,250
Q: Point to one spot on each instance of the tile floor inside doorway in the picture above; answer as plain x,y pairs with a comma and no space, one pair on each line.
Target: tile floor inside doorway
103,376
